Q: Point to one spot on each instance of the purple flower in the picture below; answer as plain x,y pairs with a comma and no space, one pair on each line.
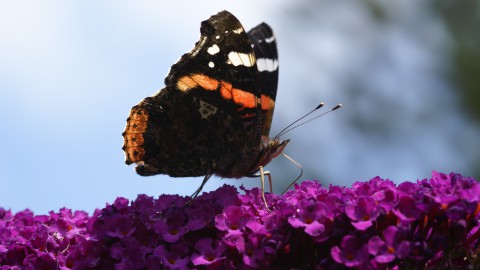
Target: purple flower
232,219
363,212
393,247
308,189
386,196
222,197
252,201
172,225
232,222
351,253
372,225
176,256
311,216
408,209
199,215
207,252
130,253
469,189
119,226
40,242
253,253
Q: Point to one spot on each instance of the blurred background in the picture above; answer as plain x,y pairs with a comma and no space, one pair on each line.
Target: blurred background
407,73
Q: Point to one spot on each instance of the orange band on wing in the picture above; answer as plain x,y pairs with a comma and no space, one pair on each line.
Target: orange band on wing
206,82
244,98
133,139
226,90
267,103
188,82
239,96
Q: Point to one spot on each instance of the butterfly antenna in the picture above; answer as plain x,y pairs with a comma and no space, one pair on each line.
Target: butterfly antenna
294,125
299,119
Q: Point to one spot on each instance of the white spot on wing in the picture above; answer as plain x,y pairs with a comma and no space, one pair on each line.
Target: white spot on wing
213,50
237,59
270,39
217,37
238,31
211,64
267,64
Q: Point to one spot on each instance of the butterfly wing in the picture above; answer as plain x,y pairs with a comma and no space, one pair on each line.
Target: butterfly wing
265,48
223,63
208,118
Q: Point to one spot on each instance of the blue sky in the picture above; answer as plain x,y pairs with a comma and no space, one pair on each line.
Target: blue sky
71,71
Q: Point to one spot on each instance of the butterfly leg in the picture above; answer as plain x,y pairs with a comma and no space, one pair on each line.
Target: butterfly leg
262,181
300,167
267,173
199,189
261,173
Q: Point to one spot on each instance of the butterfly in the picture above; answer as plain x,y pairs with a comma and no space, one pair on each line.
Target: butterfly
213,116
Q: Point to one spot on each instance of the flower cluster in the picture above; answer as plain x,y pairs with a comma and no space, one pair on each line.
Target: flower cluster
53,241
429,224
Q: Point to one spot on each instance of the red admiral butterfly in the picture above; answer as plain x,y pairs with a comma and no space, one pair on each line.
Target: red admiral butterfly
214,115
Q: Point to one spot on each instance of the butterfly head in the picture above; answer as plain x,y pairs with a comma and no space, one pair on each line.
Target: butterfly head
271,149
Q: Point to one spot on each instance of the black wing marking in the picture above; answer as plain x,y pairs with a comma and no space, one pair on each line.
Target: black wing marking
265,48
